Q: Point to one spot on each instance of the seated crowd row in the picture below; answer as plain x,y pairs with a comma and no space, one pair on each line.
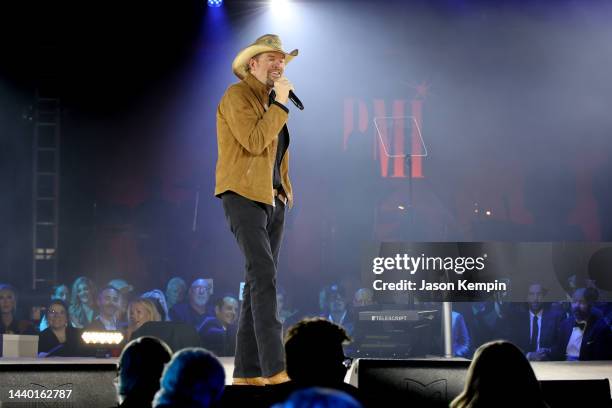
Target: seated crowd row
116,308
578,329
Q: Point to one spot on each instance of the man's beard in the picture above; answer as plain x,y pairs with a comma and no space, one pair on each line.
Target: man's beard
580,315
270,81
200,301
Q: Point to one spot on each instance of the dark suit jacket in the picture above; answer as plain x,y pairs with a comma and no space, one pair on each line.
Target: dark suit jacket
218,339
596,341
548,328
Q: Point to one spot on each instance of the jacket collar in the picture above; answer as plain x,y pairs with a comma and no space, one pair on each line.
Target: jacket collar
261,90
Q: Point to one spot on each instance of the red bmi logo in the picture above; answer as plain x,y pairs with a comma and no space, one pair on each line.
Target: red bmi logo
396,133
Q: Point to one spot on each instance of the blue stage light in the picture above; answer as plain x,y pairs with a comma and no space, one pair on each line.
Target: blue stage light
215,3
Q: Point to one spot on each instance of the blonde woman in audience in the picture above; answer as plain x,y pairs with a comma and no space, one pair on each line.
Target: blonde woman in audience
500,376
82,308
141,311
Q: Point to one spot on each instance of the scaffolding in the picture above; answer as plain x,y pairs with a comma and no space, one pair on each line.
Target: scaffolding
45,186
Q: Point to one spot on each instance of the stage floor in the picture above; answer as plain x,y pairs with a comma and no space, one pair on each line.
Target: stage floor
545,370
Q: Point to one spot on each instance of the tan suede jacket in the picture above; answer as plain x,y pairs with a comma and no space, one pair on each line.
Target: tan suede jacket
247,137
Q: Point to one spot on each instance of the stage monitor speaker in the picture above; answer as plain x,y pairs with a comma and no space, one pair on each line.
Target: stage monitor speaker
576,393
414,383
176,335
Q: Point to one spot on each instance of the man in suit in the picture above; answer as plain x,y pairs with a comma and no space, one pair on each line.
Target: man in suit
218,332
535,328
584,335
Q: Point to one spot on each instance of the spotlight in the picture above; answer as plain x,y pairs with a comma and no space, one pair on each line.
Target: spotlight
280,8
215,3
105,344
401,207
106,337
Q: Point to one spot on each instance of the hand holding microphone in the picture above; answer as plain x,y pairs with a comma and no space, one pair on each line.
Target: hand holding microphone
284,90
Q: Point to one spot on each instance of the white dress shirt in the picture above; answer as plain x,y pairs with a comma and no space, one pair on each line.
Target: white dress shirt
573,345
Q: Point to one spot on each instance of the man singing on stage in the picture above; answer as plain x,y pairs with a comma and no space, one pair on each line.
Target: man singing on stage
252,178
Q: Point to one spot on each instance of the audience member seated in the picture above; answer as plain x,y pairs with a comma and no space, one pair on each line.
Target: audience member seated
585,335
363,297
108,305
195,310
535,327
175,291
315,358
194,378
461,336
82,299
335,307
141,364
159,300
481,321
60,292
9,324
125,292
500,376
218,333
141,311
286,315
60,339
319,398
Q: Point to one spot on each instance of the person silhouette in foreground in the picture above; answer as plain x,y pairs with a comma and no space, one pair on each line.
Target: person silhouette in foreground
500,376
194,378
140,368
320,398
315,358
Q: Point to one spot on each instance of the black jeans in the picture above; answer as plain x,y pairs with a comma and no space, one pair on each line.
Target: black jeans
258,229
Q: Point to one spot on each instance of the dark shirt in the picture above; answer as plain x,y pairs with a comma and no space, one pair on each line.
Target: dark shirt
216,338
283,144
47,342
18,327
183,312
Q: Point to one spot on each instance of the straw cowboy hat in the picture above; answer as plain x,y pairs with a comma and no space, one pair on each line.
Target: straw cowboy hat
265,43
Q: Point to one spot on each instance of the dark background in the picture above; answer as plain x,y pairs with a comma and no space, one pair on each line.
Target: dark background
515,103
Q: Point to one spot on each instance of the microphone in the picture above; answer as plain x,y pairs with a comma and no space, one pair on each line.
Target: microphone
296,101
